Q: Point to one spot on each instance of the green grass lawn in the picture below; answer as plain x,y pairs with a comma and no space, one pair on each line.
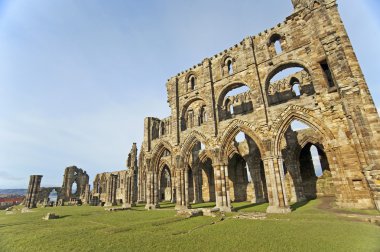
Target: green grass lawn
94,229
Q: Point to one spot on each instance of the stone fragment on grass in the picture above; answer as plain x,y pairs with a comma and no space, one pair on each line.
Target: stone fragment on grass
26,210
188,213
114,209
251,216
50,216
212,212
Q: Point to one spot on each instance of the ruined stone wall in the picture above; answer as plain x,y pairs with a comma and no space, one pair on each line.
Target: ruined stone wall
100,185
312,39
72,177
31,198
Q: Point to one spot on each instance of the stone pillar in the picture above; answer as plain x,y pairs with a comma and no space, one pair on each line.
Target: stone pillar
152,193
182,190
276,185
33,189
181,184
111,190
87,195
130,192
222,190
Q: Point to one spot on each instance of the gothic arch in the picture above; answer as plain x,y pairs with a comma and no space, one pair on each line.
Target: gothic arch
190,141
234,128
304,115
161,167
158,151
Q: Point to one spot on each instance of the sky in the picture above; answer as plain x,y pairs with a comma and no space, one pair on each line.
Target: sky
78,77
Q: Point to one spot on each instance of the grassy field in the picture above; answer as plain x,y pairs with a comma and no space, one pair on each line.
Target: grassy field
86,228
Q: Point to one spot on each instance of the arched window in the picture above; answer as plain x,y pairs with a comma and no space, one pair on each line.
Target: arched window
230,67
234,100
192,82
275,41
289,82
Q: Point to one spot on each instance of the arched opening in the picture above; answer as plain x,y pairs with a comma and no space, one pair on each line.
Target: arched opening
315,172
306,168
207,181
230,67
200,175
193,114
275,41
246,171
192,82
295,83
289,82
74,188
53,196
234,100
165,184
238,176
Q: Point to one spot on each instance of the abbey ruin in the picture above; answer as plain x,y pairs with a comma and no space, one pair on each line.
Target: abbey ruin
249,123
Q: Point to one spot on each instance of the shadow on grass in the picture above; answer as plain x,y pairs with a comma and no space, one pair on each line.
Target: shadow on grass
203,205
248,206
297,205
64,216
165,205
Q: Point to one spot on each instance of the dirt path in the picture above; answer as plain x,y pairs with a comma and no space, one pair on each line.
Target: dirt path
327,204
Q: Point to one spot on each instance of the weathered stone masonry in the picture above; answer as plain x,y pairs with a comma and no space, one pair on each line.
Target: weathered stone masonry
194,154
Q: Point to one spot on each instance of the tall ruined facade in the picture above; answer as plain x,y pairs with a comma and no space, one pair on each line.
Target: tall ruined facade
304,71
75,183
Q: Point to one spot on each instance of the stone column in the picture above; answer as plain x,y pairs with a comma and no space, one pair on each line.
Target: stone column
130,193
111,190
276,185
152,192
86,199
222,190
33,189
182,186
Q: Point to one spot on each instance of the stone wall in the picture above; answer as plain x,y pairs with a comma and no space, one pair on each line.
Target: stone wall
313,42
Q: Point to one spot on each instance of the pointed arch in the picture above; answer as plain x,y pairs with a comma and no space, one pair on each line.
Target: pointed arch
158,151
305,116
191,140
234,128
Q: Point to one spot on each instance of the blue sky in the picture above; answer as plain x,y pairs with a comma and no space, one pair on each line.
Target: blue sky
77,77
